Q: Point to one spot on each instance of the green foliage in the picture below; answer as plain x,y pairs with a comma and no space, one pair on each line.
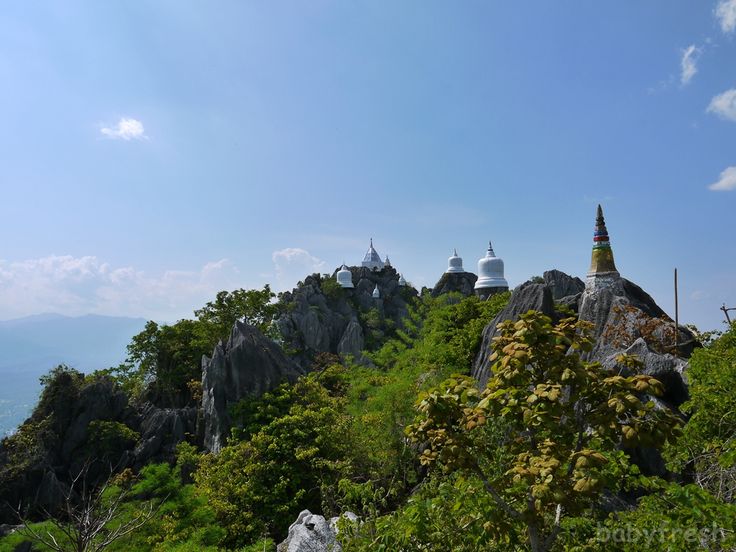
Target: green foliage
107,440
253,306
165,360
565,420
262,483
707,448
27,446
23,449
440,336
680,519
61,387
331,288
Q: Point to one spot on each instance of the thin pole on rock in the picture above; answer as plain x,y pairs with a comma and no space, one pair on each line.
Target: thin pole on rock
677,317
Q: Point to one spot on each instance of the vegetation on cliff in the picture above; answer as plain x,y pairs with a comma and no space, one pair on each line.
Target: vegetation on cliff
405,440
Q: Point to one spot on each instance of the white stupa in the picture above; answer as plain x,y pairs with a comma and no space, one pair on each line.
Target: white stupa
345,277
490,274
376,293
402,280
372,259
387,262
455,263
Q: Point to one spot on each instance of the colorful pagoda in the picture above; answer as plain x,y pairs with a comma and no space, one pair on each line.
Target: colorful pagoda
601,262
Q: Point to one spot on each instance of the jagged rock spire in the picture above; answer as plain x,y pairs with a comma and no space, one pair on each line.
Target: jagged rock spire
601,262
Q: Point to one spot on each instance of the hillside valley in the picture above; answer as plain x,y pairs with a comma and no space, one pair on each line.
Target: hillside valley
357,413
31,346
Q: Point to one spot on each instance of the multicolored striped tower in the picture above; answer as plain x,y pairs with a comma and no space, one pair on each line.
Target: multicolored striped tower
601,262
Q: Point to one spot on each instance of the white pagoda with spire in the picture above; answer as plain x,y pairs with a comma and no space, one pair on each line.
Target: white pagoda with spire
455,263
372,259
491,278
345,277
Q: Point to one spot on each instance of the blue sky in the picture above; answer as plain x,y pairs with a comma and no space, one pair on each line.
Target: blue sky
154,153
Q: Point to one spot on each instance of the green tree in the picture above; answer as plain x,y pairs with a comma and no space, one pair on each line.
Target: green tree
679,518
253,306
565,420
262,483
707,449
165,360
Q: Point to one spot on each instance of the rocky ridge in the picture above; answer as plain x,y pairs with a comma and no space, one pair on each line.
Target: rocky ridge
248,365
323,317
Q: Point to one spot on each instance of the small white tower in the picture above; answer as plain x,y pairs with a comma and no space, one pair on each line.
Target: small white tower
345,277
376,293
402,281
490,275
455,263
387,262
372,259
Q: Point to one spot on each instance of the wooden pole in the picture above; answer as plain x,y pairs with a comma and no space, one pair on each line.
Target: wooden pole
677,317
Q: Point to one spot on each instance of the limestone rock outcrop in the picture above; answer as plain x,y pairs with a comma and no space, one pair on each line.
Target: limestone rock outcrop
161,429
313,533
320,316
459,282
562,285
625,319
248,365
62,425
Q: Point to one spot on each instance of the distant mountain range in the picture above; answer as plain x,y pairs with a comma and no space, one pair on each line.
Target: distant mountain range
31,346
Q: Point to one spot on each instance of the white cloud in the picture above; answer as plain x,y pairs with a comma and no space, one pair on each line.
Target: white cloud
293,264
726,182
81,285
726,15
699,295
688,63
126,129
724,105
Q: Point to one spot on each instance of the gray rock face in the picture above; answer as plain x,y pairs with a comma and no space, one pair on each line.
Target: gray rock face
562,285
248,365
459,282
627,320
100,400
621,312
161,429
322,317
352,341
313,533
528,296
667,368
51,492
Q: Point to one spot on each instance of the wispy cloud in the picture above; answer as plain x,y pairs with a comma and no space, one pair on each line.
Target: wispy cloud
292,264
724,105
726,182
699,295
688,63
81,285
726,15
125,129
